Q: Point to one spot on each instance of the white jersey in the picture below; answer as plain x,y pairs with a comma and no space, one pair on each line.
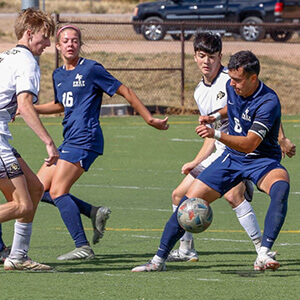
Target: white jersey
19,72
211,98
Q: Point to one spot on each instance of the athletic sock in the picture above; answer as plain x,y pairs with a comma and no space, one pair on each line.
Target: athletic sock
84,207
172,233
47,198
71,216
248,220
2,245
187,240
21,241
276,213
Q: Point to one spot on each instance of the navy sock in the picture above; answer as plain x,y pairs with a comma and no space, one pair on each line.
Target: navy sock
84,207
47,198
71,216
276,213
2,245
172,233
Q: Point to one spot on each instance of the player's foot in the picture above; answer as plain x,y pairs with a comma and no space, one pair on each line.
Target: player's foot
25,264
99,219
150,267
83,252
178,255
4,254
249,190
265,262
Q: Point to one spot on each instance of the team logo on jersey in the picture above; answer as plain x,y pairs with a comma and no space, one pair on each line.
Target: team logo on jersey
245,115
14,167
220,95
78,81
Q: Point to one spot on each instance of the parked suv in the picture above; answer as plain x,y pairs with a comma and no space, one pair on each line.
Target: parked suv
193,12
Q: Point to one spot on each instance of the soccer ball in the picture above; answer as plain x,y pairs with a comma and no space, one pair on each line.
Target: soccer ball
194,215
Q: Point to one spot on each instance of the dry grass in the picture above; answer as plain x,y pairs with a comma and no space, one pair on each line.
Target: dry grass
74,6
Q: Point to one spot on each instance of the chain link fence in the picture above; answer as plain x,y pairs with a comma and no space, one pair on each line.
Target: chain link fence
163,73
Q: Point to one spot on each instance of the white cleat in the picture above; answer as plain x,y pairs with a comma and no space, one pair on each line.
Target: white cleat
265,262
178,255
150,267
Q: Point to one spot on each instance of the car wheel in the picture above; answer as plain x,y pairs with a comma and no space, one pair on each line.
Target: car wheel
281,36
177,37
251,31
153,31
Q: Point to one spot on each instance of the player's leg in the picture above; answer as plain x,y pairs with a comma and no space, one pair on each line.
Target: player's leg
65,175
244,213
30,186
4,250
98,214
186,250
173,231
276,184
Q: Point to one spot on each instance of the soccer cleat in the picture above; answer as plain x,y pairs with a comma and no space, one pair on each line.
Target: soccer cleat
83,252
178,255
24,264
248,194
265,262
99,219
4,254
150,267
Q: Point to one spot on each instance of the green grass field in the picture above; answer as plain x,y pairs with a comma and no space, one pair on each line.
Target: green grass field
135,178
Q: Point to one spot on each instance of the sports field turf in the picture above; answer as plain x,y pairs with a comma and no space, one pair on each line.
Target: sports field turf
135,178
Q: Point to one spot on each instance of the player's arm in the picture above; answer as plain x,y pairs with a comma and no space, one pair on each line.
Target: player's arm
246,144
221,114
135,102
49,108
206,150
30,116
287,147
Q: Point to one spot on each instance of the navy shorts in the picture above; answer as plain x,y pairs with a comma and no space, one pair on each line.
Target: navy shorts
230,169
74,155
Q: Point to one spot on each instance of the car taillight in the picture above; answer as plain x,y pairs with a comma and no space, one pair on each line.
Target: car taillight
278,9
135,12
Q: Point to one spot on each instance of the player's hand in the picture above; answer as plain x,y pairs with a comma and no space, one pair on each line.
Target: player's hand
287,147
53,155
205,131
187,167
206,120
160,124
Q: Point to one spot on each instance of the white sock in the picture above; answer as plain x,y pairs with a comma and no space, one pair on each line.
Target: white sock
247,219
188,236
21,240
174,207
157,259
263,251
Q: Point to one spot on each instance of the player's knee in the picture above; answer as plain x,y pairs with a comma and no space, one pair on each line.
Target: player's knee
176,197
54,193
233,199
24,208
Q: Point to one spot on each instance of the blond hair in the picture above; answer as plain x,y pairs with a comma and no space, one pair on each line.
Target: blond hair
35,20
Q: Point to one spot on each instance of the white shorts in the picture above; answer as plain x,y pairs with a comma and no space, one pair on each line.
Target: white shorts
205,163
9,165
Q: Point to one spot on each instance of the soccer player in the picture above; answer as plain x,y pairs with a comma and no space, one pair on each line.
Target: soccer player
252,152
19,88
210,96
79,86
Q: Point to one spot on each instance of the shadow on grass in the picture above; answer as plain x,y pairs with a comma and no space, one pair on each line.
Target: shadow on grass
125,262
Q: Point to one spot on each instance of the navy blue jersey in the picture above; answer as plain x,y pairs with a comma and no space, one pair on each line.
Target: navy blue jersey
80,91
259,113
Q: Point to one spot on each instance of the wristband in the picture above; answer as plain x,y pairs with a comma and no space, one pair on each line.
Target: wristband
217,115
217,134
